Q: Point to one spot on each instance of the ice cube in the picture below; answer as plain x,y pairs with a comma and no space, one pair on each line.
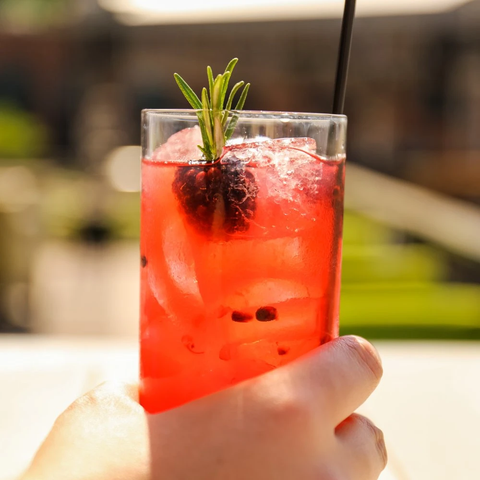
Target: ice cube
294,173
179,260
181,147
296,318
305,144
265,292
291,181
262,151
171,274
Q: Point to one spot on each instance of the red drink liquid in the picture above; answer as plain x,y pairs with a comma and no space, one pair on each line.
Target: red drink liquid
219,304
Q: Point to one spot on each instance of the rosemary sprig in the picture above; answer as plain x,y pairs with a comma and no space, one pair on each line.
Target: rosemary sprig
214,116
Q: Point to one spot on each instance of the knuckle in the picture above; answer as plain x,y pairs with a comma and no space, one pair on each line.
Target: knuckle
382,449
365,354
377,438
106,396
368,425
282,405
290,409
89,400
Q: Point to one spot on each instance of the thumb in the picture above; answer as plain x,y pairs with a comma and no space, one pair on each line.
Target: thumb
338,376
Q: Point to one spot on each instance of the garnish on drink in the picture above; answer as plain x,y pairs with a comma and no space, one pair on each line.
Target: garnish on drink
219,195
215,118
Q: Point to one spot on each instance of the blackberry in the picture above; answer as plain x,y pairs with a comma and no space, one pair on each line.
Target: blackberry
219,195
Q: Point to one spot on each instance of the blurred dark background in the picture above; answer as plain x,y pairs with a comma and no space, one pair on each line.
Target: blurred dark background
74,75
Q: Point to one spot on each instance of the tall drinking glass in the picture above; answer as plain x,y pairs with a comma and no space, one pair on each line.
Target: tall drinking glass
240,258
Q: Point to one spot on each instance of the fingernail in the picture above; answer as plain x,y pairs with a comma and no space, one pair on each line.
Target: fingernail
368,346
369,355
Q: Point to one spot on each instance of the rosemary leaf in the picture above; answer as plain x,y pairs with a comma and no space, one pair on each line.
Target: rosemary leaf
243,97
205,139
228,106
210,80
226,80
207,116
231,65
217,91
234,119
190,95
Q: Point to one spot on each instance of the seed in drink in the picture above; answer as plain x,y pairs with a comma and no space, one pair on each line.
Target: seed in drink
266,314
283,350
241,316
187,340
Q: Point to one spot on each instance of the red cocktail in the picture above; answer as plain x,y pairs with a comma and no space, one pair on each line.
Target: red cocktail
240,256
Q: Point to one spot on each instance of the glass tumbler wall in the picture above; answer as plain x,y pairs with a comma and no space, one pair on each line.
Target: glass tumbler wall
240,258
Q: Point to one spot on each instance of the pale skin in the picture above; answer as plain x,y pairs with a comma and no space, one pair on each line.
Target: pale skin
296,422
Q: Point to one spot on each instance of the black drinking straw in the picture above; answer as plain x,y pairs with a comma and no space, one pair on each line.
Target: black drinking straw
343,56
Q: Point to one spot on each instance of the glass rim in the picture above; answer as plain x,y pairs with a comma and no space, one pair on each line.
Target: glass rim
266,114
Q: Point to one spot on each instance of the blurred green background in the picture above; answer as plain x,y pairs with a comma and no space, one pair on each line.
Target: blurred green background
74,75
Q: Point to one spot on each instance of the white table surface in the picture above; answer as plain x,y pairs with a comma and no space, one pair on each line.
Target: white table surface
428,403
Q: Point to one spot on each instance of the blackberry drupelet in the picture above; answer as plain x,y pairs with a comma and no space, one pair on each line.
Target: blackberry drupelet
218,195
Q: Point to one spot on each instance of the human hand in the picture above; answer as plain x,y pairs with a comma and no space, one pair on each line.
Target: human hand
103,435
293,422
